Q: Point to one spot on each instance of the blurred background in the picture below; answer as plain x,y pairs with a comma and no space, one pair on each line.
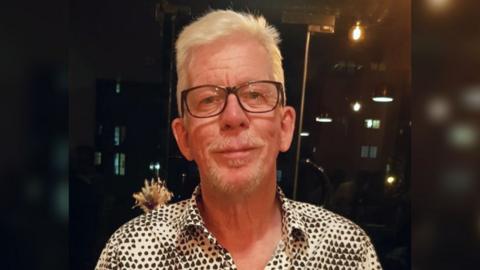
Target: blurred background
354,155
358,157
34,135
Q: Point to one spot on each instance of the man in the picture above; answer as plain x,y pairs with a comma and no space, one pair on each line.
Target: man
233,123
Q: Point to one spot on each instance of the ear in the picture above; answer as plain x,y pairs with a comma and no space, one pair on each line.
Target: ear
181,136
287,126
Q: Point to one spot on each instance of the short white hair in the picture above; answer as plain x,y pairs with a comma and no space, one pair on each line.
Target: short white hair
222,23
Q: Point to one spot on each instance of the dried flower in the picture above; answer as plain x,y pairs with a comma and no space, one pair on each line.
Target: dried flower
152,196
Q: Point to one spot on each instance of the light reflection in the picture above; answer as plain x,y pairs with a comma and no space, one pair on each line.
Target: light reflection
470,98
462,135
60,201
438,109
438,5
457,181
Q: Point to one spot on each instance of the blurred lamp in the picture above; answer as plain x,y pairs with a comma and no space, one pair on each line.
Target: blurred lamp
382,94
357,32
390,180
304,133
356,106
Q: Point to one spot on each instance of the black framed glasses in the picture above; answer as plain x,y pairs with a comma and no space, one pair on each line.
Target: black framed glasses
210,100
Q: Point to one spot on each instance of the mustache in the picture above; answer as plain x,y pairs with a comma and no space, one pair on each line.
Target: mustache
238,142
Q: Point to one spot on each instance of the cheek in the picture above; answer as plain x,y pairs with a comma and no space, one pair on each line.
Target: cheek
273,136
199,142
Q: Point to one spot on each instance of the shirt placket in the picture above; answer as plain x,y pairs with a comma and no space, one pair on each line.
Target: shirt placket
226,260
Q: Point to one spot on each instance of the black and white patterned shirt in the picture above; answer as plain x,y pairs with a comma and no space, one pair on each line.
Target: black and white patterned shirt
175,237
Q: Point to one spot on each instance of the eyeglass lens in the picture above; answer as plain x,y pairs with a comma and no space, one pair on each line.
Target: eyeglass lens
254,97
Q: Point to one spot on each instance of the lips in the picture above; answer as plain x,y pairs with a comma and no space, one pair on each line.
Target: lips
235,153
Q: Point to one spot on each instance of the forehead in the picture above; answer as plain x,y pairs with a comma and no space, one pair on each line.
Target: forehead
228,61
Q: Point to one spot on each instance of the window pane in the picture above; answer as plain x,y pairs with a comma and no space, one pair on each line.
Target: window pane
116,136
368,123
373,151
98,158
122,164
118,87
116,164
372,123
364,151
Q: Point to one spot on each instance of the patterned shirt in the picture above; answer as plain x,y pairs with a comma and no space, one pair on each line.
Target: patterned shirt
175,237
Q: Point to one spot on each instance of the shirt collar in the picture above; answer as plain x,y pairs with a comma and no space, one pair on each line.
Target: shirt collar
191,219
291,218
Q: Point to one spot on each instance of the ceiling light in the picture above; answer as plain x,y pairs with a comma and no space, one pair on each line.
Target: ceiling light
382,94
382,99
323,118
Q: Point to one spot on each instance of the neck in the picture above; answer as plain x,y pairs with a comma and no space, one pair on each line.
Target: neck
238,221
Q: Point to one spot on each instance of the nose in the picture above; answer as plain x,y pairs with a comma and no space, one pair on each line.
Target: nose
233,117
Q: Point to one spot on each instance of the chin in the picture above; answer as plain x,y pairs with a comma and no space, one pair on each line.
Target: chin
236,179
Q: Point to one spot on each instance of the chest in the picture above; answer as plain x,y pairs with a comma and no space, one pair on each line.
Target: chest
206,253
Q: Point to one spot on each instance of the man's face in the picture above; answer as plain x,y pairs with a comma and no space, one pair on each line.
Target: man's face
235,151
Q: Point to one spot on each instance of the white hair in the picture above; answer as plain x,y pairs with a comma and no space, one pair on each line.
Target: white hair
221,23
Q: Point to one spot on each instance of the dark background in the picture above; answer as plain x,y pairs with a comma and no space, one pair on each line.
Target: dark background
50,48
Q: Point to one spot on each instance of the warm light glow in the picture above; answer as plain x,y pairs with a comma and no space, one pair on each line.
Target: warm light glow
304,133
357,32
438,5
356,106
382,99
323,119
390,180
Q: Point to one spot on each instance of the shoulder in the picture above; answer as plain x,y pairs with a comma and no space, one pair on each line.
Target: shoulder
327,224
336,239
143,227
141,237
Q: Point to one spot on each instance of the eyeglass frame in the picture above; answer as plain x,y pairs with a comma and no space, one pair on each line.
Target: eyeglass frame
232,90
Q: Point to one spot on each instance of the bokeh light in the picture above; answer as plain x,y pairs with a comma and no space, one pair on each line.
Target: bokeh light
462,135
391,180
438,109
356,106
357,32
470,98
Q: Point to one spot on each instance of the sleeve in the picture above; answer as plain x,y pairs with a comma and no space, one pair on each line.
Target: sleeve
370,260
108,257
